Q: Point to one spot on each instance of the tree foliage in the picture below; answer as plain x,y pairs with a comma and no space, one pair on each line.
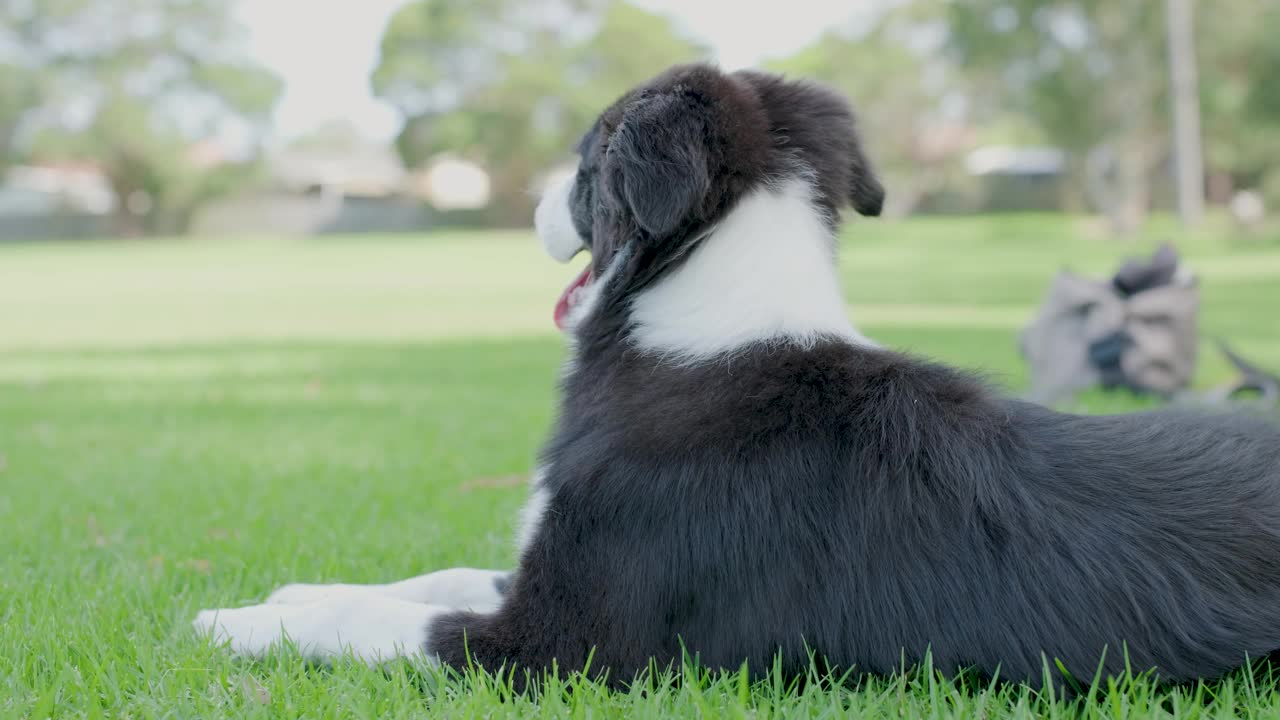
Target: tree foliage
1093,75
134,86
512,84
18,93
1239,62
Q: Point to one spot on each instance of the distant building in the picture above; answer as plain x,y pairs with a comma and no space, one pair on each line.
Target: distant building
54,188
55,200
334,186
367,171
450,183
1018,178
1019,161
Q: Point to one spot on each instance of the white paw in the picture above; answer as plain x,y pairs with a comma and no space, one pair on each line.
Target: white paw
248,631
460,588
370,627
306,593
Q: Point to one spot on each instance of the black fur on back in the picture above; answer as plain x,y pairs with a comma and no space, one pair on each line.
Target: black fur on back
858,503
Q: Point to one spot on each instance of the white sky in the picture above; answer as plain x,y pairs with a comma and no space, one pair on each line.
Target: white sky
325,51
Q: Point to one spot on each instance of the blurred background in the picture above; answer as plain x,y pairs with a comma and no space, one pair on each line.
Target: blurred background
270,300
216,118
204,173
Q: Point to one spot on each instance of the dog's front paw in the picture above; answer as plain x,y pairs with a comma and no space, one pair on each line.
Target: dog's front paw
368,626
305,593
247,631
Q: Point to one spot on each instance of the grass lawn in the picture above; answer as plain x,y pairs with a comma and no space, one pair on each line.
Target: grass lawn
190,424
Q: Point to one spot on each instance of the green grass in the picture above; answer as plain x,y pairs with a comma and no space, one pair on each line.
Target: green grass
190,424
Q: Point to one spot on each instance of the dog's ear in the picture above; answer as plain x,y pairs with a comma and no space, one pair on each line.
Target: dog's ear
819,126
865,191
657,161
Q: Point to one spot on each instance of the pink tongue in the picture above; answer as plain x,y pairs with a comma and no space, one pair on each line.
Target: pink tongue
562,305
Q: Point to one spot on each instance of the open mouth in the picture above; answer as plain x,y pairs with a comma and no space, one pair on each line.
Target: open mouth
572,295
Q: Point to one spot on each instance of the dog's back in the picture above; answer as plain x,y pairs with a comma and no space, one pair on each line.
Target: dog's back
863,505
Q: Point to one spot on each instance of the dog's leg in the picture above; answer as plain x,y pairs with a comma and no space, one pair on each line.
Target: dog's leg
371,627
456,588
459,588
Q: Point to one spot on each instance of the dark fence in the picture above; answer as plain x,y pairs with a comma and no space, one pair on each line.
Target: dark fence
313,214
59,226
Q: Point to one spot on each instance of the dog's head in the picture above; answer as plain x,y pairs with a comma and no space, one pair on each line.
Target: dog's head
669,160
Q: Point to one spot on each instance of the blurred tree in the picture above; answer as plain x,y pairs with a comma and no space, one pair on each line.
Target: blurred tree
1091,73
18,94
1239,64
511,84
1184,92
152,91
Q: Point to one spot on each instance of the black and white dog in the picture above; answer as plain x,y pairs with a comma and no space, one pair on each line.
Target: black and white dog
739,474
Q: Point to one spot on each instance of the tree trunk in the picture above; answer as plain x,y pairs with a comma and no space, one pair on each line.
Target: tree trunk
512,196
127,221
1188,156
906,193
127,224
1118,184
1132,189
1073,187
1221,187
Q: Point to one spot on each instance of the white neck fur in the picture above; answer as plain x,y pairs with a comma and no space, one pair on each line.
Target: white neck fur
765,274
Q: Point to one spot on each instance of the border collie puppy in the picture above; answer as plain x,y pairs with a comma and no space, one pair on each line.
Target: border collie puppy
738,473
